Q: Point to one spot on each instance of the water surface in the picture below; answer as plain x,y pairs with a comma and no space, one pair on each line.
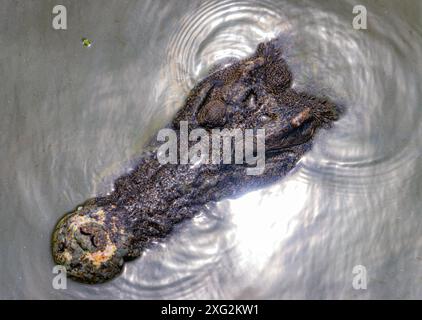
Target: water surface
74,118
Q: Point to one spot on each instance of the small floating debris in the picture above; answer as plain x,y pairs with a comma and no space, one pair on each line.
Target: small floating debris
86,42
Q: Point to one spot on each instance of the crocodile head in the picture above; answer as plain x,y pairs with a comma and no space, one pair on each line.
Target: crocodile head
256,93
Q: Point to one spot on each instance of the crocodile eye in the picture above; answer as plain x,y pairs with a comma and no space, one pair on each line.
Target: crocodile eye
213,114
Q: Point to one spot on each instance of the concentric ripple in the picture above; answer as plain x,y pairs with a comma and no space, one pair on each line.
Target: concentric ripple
377,141
218,32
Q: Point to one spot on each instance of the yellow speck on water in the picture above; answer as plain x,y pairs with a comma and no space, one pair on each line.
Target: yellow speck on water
86,42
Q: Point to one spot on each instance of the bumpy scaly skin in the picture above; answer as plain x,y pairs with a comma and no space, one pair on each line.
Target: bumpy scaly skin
94,241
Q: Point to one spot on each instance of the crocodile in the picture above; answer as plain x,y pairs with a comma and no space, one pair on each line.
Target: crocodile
94,241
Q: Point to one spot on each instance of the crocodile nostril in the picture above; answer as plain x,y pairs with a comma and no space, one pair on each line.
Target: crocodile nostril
92,237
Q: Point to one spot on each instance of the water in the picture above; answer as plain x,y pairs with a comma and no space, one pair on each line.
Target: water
74,118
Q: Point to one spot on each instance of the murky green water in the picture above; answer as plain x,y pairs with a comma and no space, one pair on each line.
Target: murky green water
73,118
